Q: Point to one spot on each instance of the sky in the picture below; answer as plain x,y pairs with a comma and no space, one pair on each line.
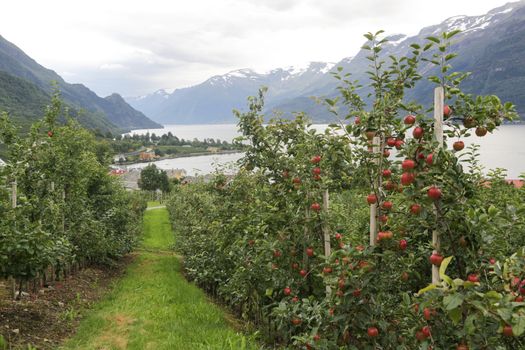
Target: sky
136,47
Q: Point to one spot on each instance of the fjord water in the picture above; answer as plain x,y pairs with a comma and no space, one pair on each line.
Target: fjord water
503,149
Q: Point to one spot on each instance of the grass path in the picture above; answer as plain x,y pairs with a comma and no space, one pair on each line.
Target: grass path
154,307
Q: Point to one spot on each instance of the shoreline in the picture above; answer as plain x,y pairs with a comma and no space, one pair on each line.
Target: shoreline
196,154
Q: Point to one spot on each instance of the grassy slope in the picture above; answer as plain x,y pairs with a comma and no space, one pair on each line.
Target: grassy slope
154,307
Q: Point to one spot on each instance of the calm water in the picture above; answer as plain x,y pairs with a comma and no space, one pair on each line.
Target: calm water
503,149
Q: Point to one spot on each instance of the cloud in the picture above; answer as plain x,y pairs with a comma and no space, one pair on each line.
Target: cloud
135,47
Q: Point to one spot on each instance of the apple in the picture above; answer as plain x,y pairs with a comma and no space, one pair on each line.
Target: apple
370,134
315,159
372,332
296,180
507,331
420,336
387,205
383,219
447,111
389,185
404,276
296,321
50,133
303,273
427,313
434,193
409,119
371,198
462,347
391,142
357,121
277,253
408,164
481,131
462,241
286,174
492,261
386,153
469,122
315,207
316,171
519,299
403,244
338,236
295,299
407,179
430,159
436,259
399,144
356,293
473,278
287,291
295,266
420,155
426,331
458,145
317,177
327,270
418,132
310,251
415,209
317,337
387,173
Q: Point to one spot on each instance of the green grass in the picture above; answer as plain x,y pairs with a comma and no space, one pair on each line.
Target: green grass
154,204
154,307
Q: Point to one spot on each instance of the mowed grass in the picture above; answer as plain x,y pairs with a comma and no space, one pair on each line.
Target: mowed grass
157,229
154,307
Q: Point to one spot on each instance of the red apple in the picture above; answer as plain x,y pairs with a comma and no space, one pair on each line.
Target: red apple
403,244
50,133
316,171
430,159
418,132
473,278
458,145
371,198
434,193
315,207
408,164
507,331
303,273
481,131
427,314
386,153
436,259
409,119
277,253
391,142
296,321
387,205
399,144
287,291
387,173
426,331
372,332
447,111
357,121
296,180
338,236
407,179
286,174
310,251
389,185
327,270
415,209
315,159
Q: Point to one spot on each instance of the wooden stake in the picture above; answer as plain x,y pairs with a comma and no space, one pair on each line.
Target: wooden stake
374,207
326,232
439,102
14,203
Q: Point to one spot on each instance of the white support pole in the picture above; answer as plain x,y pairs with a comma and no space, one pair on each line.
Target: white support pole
14,201
374,207
439,102
326,232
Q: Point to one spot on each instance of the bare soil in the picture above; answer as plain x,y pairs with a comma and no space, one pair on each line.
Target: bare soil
45,318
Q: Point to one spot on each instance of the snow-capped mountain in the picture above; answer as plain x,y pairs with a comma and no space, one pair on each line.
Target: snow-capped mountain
491,46
214,99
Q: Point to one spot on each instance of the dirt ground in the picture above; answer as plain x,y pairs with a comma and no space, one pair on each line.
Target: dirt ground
45,318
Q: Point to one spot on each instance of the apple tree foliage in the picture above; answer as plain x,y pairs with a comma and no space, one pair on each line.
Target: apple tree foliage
256,239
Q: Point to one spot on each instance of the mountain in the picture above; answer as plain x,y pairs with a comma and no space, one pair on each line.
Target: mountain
26,88
213,100
491,46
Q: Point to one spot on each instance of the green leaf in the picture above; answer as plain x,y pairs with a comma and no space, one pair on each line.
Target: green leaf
427,289
455,315
505,314
453,301
433,39
518,325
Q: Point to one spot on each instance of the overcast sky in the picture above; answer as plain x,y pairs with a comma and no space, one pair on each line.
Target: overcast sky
136,47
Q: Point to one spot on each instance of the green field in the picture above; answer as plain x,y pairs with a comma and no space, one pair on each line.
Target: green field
154,307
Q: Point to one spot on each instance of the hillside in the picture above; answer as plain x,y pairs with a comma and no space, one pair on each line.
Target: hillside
34,81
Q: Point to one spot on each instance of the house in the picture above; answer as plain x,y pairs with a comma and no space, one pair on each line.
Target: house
213,149
147,155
